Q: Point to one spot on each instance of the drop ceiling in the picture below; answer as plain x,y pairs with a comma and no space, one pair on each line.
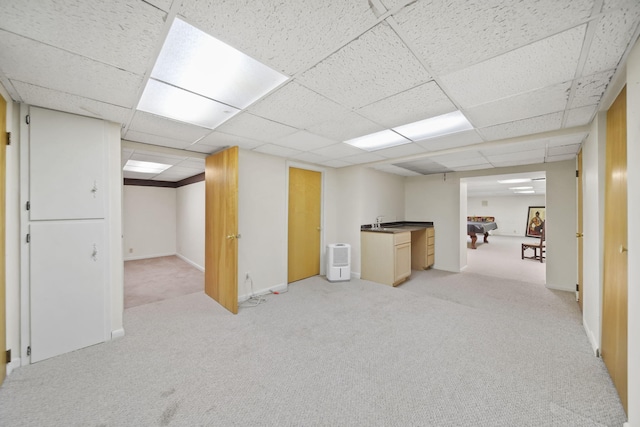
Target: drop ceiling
529,76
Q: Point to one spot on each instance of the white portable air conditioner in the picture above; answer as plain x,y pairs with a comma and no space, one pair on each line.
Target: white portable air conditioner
338,262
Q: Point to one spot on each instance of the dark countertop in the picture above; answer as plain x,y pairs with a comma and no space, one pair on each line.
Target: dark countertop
397,226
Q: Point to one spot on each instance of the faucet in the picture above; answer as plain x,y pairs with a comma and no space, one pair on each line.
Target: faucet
378,219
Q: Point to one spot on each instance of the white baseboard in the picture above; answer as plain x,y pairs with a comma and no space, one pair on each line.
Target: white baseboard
592,339
188,261
278,288
560,288
14,364
118,333
355,275
134,258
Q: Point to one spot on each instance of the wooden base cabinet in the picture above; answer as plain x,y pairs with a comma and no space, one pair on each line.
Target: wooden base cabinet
423,248
386,257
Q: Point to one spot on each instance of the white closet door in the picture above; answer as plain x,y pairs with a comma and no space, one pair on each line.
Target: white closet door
68,285
67,166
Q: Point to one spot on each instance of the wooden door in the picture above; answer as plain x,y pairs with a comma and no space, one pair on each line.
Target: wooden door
305,189
614,293
579,233
3,305
221,228
68,286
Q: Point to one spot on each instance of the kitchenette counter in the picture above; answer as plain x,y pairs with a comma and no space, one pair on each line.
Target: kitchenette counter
397,226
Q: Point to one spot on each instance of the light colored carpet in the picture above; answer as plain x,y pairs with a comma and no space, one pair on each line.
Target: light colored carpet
501,257
156,279
441,350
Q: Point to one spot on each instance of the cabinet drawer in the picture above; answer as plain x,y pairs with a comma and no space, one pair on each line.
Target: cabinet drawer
431,241
431,232
400,238
431,250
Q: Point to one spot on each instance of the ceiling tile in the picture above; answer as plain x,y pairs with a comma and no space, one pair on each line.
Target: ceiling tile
580,116
534,156
338,151
465,158
364,158
277,150
511,163
450,35
560,158
565,149
304,141
409,106
612,36
395,170
161,4
541,64
476,167
459,139
567,139
121,33
202,148
515,147
157,158
530,104
289,36
54,100
336,163
311,158
221,139
29,61
423,166
146,138
589,89
372,67
137,175
402,150
523,127
297,106
156,125
256,128
350,125
193,163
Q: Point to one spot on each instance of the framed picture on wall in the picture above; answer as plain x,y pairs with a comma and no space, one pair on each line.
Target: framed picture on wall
535,218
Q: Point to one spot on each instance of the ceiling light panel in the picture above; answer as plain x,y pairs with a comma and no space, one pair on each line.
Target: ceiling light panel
435,126
169,101
193,60
379,140
145,167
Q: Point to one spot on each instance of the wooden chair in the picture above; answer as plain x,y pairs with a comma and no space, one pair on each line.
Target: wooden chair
539,249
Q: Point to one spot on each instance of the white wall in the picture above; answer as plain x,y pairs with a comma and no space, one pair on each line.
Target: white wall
362,195
114,205
190,209
593,176
437,198
149,221
633,239
510,211
262,222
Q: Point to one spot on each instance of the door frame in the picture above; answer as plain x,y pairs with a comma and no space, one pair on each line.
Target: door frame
292,164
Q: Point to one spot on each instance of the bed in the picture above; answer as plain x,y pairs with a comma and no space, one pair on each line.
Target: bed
480,225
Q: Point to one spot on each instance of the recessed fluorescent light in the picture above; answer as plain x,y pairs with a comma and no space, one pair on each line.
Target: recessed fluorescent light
169,101
435,126
145,167
379,140
200,80
195,61
525,192
520,188
514,181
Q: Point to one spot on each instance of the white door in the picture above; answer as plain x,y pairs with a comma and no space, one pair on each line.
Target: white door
67,163
68,286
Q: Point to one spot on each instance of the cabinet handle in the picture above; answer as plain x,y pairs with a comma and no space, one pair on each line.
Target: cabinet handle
622,249
234,236
578,234
94,190
94,255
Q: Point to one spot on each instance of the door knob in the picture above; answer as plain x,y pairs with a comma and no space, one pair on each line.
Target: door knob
578,234
622,249
233,236
318,228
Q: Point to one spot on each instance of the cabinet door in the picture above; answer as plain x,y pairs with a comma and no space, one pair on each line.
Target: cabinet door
402,254
68,286
67,160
